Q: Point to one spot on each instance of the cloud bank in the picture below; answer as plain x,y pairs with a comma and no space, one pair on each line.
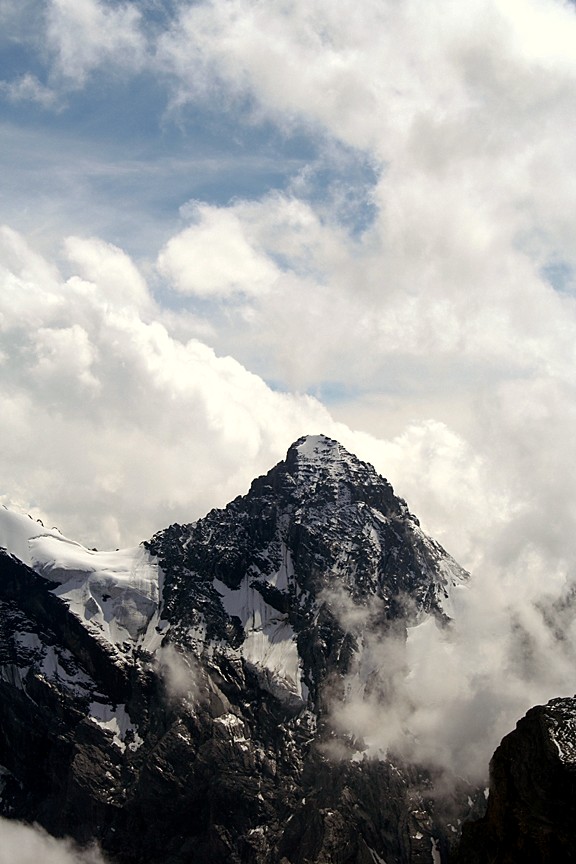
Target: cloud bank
445,696
104,407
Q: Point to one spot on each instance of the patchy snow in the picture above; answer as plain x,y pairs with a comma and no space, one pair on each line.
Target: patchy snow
232,726
316,448
564,737
51,661
117,721
436,857
322,458
115,593
270,643
53,670
28,640
449,577
318,454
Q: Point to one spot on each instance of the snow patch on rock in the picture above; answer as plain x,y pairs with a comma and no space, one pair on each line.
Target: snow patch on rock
270,641
116,720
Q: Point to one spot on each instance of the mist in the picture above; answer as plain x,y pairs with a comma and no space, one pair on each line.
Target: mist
446,695
29,844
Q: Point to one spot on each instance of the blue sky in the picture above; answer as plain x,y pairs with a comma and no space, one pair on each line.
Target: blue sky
116,157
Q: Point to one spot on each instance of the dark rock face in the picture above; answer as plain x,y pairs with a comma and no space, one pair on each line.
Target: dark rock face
531,814
204,735
322,521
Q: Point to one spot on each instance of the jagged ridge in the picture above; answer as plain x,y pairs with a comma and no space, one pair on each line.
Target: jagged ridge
199,732
264,571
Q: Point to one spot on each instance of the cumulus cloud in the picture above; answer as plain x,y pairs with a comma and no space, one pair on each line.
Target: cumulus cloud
457,108
440,318
114,424
213,257
26,844
86,34
110,271
111,424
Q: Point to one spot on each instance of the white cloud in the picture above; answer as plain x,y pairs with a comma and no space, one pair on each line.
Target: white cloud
87,34
447,696
27,844
364,74
29,88
113,274
113,426
441,307
181,674
464,109
214,257
66,355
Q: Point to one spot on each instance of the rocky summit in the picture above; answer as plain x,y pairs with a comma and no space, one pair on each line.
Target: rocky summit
175,702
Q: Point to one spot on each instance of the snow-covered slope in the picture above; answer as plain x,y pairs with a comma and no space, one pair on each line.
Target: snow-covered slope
115,594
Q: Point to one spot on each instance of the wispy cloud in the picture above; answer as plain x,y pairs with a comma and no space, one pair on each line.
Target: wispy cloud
445,696
86,35
22,844
181,675
29,88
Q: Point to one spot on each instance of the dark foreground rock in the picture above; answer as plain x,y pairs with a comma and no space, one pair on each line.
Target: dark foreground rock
531,814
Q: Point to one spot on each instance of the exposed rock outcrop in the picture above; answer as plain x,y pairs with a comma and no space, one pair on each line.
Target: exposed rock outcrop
531,814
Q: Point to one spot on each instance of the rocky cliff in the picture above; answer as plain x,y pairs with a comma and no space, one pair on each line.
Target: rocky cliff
173,702
531,814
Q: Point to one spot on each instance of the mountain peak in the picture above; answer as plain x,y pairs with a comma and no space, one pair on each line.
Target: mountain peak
315,447
318,468
203,673
321,454
318,454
